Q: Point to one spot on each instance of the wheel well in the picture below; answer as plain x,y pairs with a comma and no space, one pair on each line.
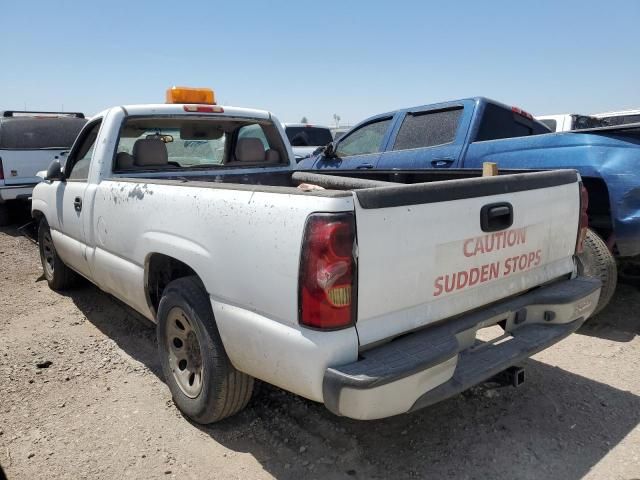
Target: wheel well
162,269
599,207
37,214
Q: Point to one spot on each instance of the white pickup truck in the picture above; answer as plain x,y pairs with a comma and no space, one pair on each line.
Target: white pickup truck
29,141
363,294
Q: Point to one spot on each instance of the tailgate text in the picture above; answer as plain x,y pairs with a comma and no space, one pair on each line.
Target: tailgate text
504,267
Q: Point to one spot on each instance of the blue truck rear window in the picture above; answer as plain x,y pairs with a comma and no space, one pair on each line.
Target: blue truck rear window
499,122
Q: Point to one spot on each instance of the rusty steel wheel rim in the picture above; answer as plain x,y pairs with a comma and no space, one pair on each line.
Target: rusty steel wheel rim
185,355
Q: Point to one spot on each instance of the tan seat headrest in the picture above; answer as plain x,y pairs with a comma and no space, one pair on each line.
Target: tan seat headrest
272,156
150,152
250,149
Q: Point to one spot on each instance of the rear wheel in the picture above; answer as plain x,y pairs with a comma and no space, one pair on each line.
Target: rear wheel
596,261
57,274
204,384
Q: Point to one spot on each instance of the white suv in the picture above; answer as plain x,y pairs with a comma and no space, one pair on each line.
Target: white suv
29,142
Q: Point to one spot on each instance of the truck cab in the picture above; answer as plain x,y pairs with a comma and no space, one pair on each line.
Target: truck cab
427,136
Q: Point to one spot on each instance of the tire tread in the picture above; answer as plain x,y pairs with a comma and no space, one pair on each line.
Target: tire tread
233,389
602,266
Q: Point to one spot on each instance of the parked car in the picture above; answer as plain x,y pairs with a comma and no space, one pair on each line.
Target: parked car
29,141
570,121
252,270
305,138
466,133
623,117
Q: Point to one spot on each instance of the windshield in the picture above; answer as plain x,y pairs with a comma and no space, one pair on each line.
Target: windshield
308,136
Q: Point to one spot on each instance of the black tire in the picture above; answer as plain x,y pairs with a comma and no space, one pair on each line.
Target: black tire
57,274
596,261
5,218
206,388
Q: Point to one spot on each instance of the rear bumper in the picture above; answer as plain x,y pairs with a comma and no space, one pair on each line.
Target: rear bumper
425,367
16,192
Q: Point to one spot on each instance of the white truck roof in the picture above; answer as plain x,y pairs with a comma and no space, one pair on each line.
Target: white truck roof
617,113
179,109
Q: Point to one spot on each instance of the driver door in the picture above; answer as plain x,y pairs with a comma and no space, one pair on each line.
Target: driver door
70,237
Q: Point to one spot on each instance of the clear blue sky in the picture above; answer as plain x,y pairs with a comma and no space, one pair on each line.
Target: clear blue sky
318,58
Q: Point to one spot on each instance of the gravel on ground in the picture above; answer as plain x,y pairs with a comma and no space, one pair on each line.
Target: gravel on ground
82,396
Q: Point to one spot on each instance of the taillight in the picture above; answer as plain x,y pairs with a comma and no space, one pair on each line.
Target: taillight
328,272
203,108
1,170
583,226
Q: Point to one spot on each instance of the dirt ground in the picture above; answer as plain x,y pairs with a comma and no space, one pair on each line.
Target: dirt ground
100,409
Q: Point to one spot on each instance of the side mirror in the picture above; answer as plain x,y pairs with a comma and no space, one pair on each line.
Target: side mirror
328,151
54,172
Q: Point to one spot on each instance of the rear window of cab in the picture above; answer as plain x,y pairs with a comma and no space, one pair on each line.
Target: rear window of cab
499,122
159,143
39,133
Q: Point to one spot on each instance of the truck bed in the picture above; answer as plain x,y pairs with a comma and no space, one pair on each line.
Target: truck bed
342,179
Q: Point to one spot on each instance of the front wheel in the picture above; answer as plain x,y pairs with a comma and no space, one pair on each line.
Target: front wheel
57,274
596,261
204,384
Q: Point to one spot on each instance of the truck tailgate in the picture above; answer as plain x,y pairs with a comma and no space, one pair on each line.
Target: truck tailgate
423,255
21,166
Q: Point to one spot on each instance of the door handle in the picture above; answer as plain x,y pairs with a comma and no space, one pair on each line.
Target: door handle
442,162
496,216
77,204
365,165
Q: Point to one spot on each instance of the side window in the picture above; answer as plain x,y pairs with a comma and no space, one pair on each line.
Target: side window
428,129
81,158
366,139
254,131
498,122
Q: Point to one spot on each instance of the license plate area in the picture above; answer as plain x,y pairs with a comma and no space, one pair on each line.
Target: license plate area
491,335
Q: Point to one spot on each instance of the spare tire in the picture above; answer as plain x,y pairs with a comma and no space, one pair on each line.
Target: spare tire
596,261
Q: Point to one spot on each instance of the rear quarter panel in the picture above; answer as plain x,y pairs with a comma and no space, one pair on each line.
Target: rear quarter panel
244,244
245,247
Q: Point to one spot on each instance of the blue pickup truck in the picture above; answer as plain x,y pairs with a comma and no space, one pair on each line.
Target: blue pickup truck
463,134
